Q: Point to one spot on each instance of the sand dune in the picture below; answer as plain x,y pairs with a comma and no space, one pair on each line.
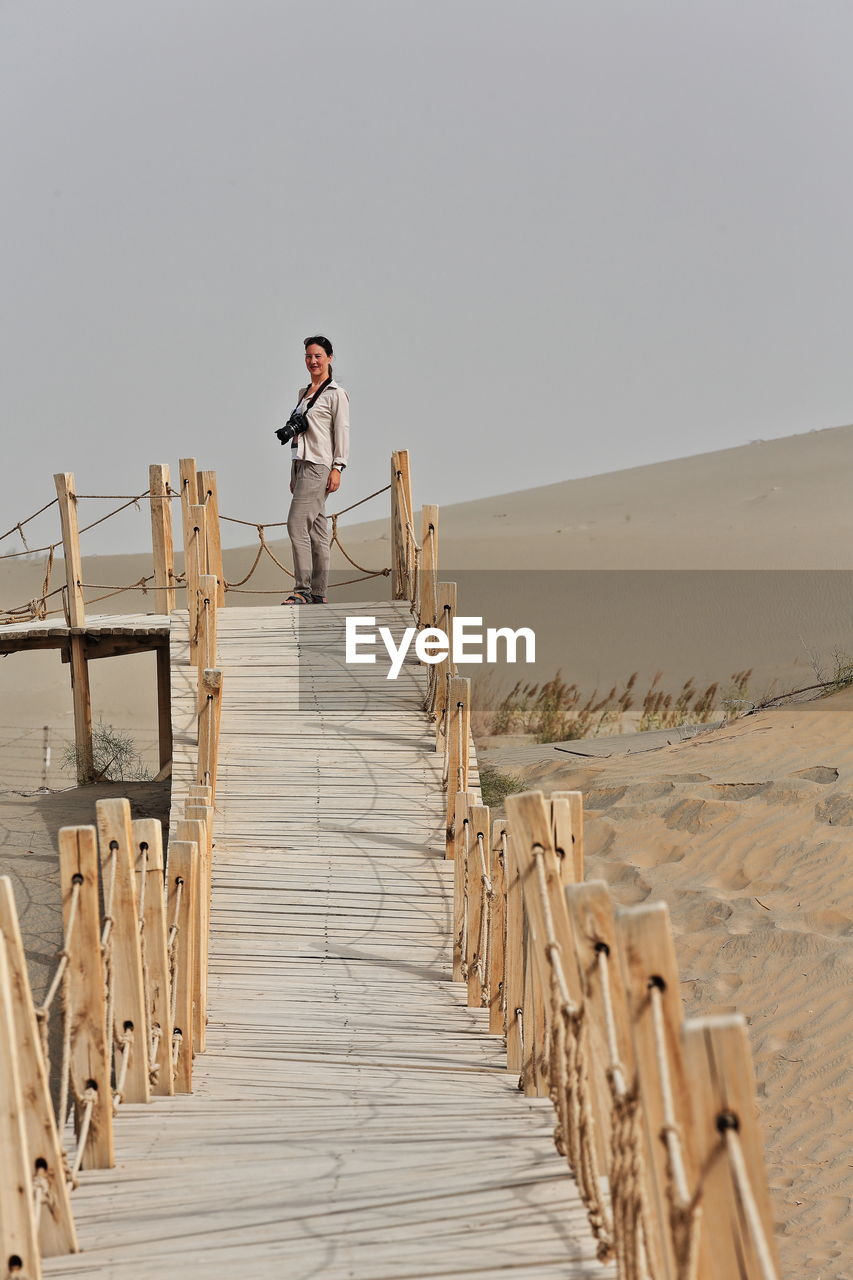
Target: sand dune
746,833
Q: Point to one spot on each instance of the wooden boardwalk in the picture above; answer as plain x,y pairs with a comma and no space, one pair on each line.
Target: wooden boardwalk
350,1117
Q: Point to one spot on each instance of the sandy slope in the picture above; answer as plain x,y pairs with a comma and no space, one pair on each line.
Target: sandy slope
747,834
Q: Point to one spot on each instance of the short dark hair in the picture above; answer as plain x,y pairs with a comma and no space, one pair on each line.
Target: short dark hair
319,341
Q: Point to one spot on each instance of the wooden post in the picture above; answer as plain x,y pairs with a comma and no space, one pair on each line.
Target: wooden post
574,800
181,880
208,730
164,705
458,733
428,599
56,1232
531,1004
195,832
198,793
443,669
514,962
727,1135
90,1054
115,841
18,1236
497,945
460,852
479,827
64,482
530,825
195,570
655,1008
208,497
189,499
596,939
401,512
206,657
148,848
161,538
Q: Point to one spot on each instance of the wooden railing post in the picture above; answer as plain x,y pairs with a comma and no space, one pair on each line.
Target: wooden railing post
195,569
209,498
115,841
460,850
208,729
18,1236
444,669
428,585
514,962
572,829
193,831
497,945
612,1069
161,538
479,820
729,1151
86,1005
82,698
181,912
189,499
206,656
148,849
401,514
532,838
458,732
56,1234
656,1013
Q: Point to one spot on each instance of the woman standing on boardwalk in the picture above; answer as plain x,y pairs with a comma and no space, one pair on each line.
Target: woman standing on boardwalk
319,454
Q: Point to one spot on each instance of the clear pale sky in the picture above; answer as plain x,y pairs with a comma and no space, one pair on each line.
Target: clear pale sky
548,239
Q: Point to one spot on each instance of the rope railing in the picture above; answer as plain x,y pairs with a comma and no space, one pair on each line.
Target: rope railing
125,985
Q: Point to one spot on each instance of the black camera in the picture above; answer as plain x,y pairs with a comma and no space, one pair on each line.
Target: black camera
295,425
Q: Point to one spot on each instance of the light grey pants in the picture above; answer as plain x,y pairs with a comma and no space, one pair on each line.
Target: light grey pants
308,527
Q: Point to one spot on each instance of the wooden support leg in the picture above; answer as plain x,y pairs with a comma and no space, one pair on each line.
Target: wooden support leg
164,705
82,709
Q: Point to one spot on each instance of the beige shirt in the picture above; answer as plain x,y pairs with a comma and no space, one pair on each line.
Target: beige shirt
327,439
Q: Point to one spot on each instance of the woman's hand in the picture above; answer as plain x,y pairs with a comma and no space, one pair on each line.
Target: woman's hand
334,480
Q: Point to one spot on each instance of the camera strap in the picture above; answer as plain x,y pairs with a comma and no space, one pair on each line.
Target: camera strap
310,405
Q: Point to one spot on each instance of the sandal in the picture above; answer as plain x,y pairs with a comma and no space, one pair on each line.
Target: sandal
319,600
298,597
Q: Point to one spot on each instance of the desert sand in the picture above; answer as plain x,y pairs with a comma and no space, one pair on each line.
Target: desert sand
697,567
746,832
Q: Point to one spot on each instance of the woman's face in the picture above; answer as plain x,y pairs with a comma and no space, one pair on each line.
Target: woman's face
317,362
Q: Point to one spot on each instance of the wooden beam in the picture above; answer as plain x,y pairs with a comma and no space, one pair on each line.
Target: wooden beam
189,498
460,852
209,498
458,733
206,655
428,605
118,872
574,799
401,512
497,941
18,1237
114,646
656,1013
195,832
161,537
479,819
164,705
148,850
181,883
728,1136
195,569
82,704
514,960
56,1232
90,1056
64,482
443,669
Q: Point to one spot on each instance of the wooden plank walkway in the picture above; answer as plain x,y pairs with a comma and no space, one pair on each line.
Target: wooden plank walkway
351,1117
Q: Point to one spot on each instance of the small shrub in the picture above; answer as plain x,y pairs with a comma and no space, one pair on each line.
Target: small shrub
496,786
114,756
